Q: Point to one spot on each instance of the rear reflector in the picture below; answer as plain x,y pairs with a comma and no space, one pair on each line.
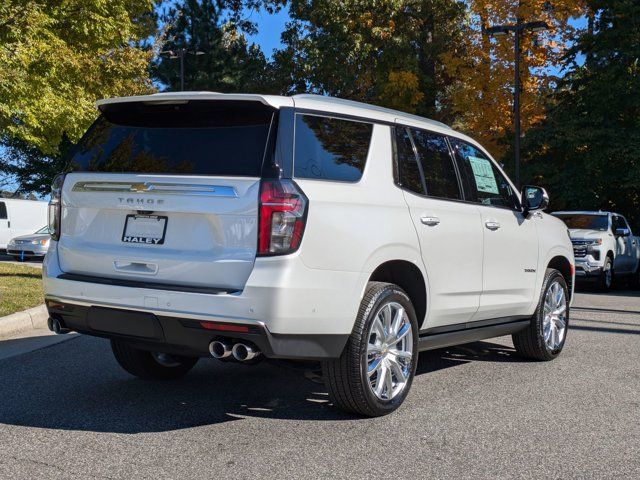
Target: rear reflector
224,327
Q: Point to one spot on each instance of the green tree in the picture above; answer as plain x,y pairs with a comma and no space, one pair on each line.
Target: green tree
588,151
56,59
386,52
226,62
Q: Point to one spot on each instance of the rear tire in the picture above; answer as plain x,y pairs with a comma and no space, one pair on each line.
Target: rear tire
634,281
546,334
373,375
151,365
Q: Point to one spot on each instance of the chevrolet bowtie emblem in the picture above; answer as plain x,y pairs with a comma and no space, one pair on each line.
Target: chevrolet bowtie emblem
139,187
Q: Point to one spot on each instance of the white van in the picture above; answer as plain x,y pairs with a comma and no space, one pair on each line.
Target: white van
20,217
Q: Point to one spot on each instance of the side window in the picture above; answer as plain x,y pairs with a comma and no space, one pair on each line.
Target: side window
330,148
409,171
619,222
481,179
437,165
3,211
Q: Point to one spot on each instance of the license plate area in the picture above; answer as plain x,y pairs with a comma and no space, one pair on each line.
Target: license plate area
145,229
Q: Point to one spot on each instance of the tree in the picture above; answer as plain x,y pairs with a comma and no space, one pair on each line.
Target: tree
381,51
56,59
225,62
588,151
482,96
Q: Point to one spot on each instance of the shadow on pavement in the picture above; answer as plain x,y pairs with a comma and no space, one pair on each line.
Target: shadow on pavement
77,385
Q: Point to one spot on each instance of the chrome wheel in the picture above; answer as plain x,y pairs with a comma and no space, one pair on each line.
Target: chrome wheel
555,316
389,351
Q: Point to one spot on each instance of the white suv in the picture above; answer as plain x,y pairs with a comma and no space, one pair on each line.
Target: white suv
312,228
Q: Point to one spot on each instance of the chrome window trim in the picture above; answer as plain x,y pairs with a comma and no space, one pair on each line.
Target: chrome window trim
157,188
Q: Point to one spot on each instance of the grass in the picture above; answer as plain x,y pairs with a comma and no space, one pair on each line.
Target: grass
20,288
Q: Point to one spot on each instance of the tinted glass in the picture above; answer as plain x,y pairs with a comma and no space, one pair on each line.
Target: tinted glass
585,221
3,211
203,138
619,222
481,179
409,170
330,148
437,165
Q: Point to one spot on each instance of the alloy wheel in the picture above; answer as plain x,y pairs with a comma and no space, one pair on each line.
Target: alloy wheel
555,316
389,351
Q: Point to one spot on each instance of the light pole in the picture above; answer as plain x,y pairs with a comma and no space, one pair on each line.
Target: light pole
181,53
518,29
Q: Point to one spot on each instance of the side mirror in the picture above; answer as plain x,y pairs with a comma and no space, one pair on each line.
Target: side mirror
534,199
623,232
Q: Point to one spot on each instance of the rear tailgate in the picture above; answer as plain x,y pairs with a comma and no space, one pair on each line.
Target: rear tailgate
207,235
167,194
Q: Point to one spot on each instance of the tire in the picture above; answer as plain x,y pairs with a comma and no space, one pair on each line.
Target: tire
605,282
346,378
17,258
151,365
634,281
532,342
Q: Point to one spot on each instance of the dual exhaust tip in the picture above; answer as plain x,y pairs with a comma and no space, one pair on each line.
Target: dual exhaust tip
56,326
240,351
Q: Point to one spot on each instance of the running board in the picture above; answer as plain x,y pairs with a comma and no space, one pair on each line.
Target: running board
472,334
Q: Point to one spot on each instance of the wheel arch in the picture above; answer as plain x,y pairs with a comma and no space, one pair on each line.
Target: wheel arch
563,265
409,277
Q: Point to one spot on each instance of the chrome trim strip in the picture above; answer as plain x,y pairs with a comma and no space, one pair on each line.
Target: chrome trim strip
157,188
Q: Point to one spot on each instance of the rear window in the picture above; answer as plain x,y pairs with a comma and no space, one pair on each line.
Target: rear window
586,222
198,137
330,148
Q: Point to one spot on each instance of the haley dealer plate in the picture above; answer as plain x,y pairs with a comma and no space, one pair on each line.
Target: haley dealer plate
147,229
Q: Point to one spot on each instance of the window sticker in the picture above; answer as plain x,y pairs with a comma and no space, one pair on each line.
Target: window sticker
482,171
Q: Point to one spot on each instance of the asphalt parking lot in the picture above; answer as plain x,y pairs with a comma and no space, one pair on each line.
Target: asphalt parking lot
476,411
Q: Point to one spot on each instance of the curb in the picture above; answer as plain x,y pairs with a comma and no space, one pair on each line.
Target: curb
30,319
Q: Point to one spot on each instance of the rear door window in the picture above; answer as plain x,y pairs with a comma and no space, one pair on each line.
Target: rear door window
439,172
330,148
410,171
220,138
482,181
3,211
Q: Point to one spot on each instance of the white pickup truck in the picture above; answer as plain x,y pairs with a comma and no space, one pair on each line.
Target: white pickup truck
604,247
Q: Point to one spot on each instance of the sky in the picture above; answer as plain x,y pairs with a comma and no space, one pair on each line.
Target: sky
269,29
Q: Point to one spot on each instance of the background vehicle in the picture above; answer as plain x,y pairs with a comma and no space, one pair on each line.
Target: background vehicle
604,246
305,227
20,217
30,246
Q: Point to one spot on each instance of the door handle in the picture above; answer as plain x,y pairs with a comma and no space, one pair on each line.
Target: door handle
430,221
492,225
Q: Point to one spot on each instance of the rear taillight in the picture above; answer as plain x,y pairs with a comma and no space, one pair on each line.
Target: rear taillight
55,207
283,209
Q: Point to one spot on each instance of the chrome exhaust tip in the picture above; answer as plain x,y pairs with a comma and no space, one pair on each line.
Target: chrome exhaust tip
244,353
219,349
56,326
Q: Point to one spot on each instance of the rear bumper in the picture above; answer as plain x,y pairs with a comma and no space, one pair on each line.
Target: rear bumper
297,312
184,336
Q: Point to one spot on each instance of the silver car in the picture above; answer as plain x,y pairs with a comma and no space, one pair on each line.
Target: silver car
30,246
